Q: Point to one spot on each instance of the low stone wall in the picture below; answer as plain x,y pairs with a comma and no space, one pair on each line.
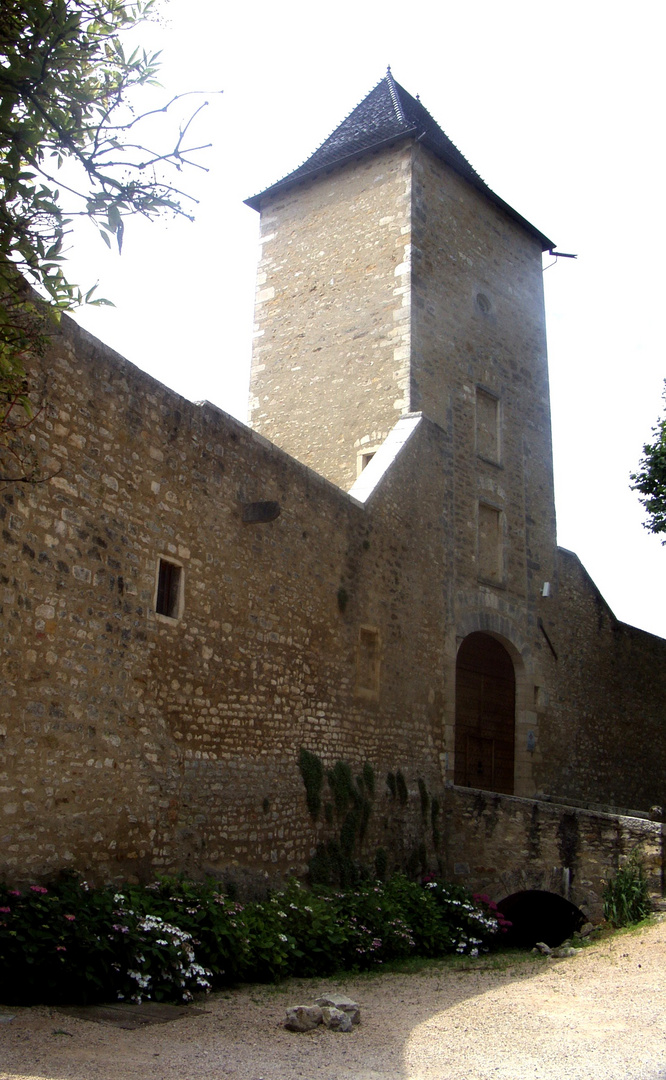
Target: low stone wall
500,844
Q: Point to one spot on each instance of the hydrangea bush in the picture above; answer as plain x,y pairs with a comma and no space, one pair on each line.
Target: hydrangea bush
153,958
67,942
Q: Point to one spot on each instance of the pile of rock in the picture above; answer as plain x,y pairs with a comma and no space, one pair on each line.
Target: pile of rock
565,949
333,1011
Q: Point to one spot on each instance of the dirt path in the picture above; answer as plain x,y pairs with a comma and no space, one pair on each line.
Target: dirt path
598,1016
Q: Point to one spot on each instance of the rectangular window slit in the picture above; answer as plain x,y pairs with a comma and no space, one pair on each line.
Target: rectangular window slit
490,555
487,426
168,589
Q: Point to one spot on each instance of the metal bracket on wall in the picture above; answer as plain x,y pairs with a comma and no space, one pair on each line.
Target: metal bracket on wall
542,628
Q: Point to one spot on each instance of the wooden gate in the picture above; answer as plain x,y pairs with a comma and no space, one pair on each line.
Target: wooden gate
485,715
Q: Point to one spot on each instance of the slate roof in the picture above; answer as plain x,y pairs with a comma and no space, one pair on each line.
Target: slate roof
388,114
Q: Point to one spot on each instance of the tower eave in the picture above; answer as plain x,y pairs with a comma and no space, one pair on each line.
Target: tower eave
303,177
415,135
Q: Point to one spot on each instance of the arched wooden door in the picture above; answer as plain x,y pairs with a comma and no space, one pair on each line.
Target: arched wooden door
485,715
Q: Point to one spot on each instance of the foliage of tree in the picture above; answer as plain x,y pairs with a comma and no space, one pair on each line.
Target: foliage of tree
650,480
70,144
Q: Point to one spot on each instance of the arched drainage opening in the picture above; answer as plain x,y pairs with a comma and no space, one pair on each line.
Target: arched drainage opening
539,916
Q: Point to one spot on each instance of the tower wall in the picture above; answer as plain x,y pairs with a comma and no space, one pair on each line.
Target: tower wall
479,369
330,365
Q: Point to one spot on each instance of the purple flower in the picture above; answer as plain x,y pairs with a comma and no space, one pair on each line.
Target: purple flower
38,889
5,910
13,892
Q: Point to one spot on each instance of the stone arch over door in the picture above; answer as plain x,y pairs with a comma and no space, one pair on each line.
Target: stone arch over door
485,718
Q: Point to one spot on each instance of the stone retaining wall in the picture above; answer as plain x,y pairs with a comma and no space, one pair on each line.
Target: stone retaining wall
500,844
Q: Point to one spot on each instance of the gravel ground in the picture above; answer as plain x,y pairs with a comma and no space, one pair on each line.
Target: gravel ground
598,1016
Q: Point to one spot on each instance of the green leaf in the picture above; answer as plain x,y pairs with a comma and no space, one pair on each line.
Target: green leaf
114,218
64,82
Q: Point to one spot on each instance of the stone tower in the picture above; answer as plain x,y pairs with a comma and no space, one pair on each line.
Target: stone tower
393,281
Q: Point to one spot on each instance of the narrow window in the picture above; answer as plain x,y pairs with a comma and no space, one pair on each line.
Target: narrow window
487,426
367,662
364,457
490,548
169,589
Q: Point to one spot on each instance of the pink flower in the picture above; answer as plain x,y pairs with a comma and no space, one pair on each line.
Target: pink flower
13,892
61,948
39,888
70,917
5,910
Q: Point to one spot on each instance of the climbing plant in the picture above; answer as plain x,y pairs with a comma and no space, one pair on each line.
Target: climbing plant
312,771
341,858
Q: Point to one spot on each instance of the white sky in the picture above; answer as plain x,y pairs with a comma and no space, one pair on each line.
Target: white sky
559,107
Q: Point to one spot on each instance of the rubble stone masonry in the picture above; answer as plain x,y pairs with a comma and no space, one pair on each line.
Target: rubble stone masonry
132,741
141,734
330,367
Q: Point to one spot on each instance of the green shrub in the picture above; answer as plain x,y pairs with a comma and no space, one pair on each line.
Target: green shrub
153,959
215,922
626,896
316,936
54,942
71,943
270,943
174,938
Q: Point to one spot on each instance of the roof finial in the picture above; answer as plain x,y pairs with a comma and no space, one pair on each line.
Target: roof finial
388,69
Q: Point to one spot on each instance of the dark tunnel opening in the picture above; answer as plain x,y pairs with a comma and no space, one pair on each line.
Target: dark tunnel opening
536,915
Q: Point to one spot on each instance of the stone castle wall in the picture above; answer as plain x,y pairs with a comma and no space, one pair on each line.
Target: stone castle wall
606,738
133,742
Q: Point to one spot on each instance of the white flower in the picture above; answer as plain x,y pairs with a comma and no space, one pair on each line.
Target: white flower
282,937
